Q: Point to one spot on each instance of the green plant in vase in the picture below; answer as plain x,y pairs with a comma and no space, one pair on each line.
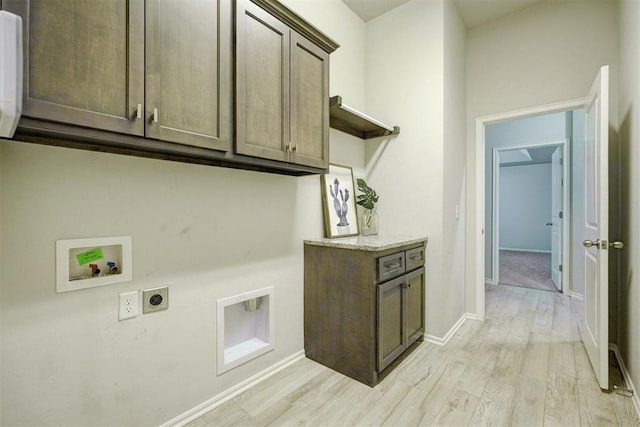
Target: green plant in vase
368,200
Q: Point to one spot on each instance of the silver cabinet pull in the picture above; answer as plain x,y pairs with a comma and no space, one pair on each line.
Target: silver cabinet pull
139,111
154,117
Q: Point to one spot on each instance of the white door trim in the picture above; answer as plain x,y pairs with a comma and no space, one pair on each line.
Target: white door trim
481,124
495,217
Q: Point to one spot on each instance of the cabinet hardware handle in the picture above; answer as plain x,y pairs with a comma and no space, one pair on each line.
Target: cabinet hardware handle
295,148
155,115
139,111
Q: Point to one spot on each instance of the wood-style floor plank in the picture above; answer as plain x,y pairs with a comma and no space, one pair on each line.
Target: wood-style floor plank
524,365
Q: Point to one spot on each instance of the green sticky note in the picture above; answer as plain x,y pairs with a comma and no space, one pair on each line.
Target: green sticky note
90,256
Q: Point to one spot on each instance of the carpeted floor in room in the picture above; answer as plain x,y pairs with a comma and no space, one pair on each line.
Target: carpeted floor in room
526,269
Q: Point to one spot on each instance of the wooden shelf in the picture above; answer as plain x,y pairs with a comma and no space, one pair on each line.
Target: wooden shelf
356,123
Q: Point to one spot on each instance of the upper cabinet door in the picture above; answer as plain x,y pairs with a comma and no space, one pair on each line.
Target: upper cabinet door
309,103
188,72
262,83
83,61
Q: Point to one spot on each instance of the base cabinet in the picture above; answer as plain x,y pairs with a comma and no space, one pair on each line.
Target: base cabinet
363,307
400,315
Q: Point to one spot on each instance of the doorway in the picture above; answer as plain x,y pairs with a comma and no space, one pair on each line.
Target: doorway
530,214
484,261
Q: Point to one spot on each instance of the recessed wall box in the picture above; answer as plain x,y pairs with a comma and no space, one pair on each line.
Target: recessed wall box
86,263
245,327
10,72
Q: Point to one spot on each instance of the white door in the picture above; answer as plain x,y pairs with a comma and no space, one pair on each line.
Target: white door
557,195
595,332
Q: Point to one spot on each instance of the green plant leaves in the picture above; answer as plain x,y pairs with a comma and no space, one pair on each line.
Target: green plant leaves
369,198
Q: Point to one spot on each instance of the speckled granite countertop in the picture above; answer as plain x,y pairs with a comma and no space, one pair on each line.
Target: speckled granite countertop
367,243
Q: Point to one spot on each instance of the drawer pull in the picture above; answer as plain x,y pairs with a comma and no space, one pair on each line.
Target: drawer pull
394,270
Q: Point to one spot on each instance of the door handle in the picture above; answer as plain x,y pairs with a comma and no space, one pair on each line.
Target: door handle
591,243
602,244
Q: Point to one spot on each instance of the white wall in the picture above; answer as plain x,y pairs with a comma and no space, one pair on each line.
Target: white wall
454,152
629,325
576,279
1,268
544,54
513,133
406,86
525,207
66,360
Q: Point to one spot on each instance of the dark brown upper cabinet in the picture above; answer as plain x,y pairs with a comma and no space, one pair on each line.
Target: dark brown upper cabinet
155,69
83,62
156,79
188,72
282,88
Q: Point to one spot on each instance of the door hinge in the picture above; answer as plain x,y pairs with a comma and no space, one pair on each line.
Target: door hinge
560,215
561,162
560,267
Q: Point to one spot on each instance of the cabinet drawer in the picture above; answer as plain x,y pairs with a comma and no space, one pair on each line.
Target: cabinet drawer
414,258
390,266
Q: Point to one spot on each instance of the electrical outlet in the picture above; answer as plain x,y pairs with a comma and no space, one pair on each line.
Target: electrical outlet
128,305
155,299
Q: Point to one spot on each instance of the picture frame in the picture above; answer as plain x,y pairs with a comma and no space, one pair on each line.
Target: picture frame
339,202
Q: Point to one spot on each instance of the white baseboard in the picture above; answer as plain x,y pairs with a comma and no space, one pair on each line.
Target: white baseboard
229,394
627,377
443,341
525,250
575,295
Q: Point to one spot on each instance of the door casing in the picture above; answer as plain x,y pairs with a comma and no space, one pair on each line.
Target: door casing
495,211
480,127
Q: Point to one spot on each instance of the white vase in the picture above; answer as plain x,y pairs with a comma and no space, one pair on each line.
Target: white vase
370,222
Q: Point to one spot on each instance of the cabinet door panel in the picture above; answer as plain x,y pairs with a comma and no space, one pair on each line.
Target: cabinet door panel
309,103
262,83
188,71
390,322
83,61
415,305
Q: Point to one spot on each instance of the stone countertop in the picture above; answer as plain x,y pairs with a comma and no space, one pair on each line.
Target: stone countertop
367,243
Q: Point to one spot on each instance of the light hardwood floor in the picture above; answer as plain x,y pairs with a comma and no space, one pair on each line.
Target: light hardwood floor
525,365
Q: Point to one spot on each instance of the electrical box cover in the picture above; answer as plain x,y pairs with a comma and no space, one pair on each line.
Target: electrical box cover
10,72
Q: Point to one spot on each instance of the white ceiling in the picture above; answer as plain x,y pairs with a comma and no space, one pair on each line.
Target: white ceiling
369,9
478,12
472,12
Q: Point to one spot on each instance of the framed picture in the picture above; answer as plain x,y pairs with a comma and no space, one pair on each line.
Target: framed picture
339,202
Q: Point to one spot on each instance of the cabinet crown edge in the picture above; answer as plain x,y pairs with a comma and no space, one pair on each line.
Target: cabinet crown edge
299,24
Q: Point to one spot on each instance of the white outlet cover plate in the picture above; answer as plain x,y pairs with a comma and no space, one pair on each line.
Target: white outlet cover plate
128,305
